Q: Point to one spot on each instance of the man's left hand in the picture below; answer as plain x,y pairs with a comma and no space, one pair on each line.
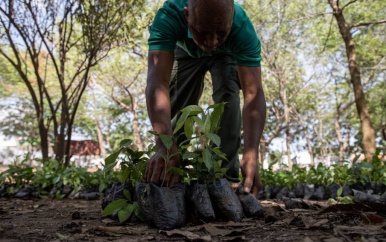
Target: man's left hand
251,177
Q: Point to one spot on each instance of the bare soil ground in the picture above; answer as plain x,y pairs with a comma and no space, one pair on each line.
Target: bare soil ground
81,220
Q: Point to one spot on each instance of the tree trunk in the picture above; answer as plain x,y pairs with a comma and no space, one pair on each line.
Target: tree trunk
44,144
339,136
100,137
137,137
368,132
283,94
308,141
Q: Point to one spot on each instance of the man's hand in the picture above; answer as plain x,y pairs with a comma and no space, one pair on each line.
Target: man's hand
251,176
157,169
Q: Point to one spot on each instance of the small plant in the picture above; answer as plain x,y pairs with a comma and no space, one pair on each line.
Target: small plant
340,199
132,163
132,167
167,141
321,175
51,177
19,173
200,152
342,174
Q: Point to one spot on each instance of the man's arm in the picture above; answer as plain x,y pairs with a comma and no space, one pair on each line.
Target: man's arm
254,113
160,64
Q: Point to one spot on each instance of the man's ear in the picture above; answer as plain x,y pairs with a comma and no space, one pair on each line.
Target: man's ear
186,13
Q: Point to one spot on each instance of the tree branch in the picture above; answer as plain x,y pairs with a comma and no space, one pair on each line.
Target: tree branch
374,70
360,24
349,3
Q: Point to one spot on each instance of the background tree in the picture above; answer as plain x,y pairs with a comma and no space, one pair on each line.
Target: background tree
307,82
288,88
346,29
52,46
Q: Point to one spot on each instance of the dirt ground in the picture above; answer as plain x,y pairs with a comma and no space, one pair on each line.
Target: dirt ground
81,220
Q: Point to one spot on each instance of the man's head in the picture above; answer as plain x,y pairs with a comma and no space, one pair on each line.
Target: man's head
209,21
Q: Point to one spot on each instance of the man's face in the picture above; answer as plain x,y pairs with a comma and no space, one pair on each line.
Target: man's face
209,30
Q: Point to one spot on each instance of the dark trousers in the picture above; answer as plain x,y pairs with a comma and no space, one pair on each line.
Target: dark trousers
186,87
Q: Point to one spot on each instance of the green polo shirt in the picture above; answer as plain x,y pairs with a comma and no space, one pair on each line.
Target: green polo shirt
170,28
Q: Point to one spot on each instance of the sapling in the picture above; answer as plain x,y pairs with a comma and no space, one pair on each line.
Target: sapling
163,207
201,147
132,166
201,152
167,141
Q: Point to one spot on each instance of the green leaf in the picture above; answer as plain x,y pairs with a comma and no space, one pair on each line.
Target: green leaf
137,212
127,194
346,200
214,138
207,125
124,214
180,122
109,167
219,153
192,110
56,179
177,171
125,143
166,140
189,155
189,127
339,191
111,158
124,175
199,122
218,109
207,159
102,187
114,207
217,106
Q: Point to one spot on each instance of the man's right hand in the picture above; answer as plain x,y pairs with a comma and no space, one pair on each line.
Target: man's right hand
157,169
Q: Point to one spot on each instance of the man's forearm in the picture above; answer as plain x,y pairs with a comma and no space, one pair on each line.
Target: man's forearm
254,114
158,108
157,91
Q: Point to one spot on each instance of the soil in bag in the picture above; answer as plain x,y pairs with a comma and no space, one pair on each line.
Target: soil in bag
318,193
142,191
332,190
251,206
163,207
309,190
199,203
225,201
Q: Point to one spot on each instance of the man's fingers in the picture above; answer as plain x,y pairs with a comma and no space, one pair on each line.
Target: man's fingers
148,171
174,179
248,184
235,185
155,176
165,178
257,185
255,191
157,173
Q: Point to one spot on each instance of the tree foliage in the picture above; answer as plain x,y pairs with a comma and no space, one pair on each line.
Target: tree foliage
53,45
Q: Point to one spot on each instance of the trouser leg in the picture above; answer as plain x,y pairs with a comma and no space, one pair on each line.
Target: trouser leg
186,88
226,88
186,85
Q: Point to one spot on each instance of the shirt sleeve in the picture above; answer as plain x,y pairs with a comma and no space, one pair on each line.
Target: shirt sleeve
165,29
247,47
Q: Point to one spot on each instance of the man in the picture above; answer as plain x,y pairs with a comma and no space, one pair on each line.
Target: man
187,39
